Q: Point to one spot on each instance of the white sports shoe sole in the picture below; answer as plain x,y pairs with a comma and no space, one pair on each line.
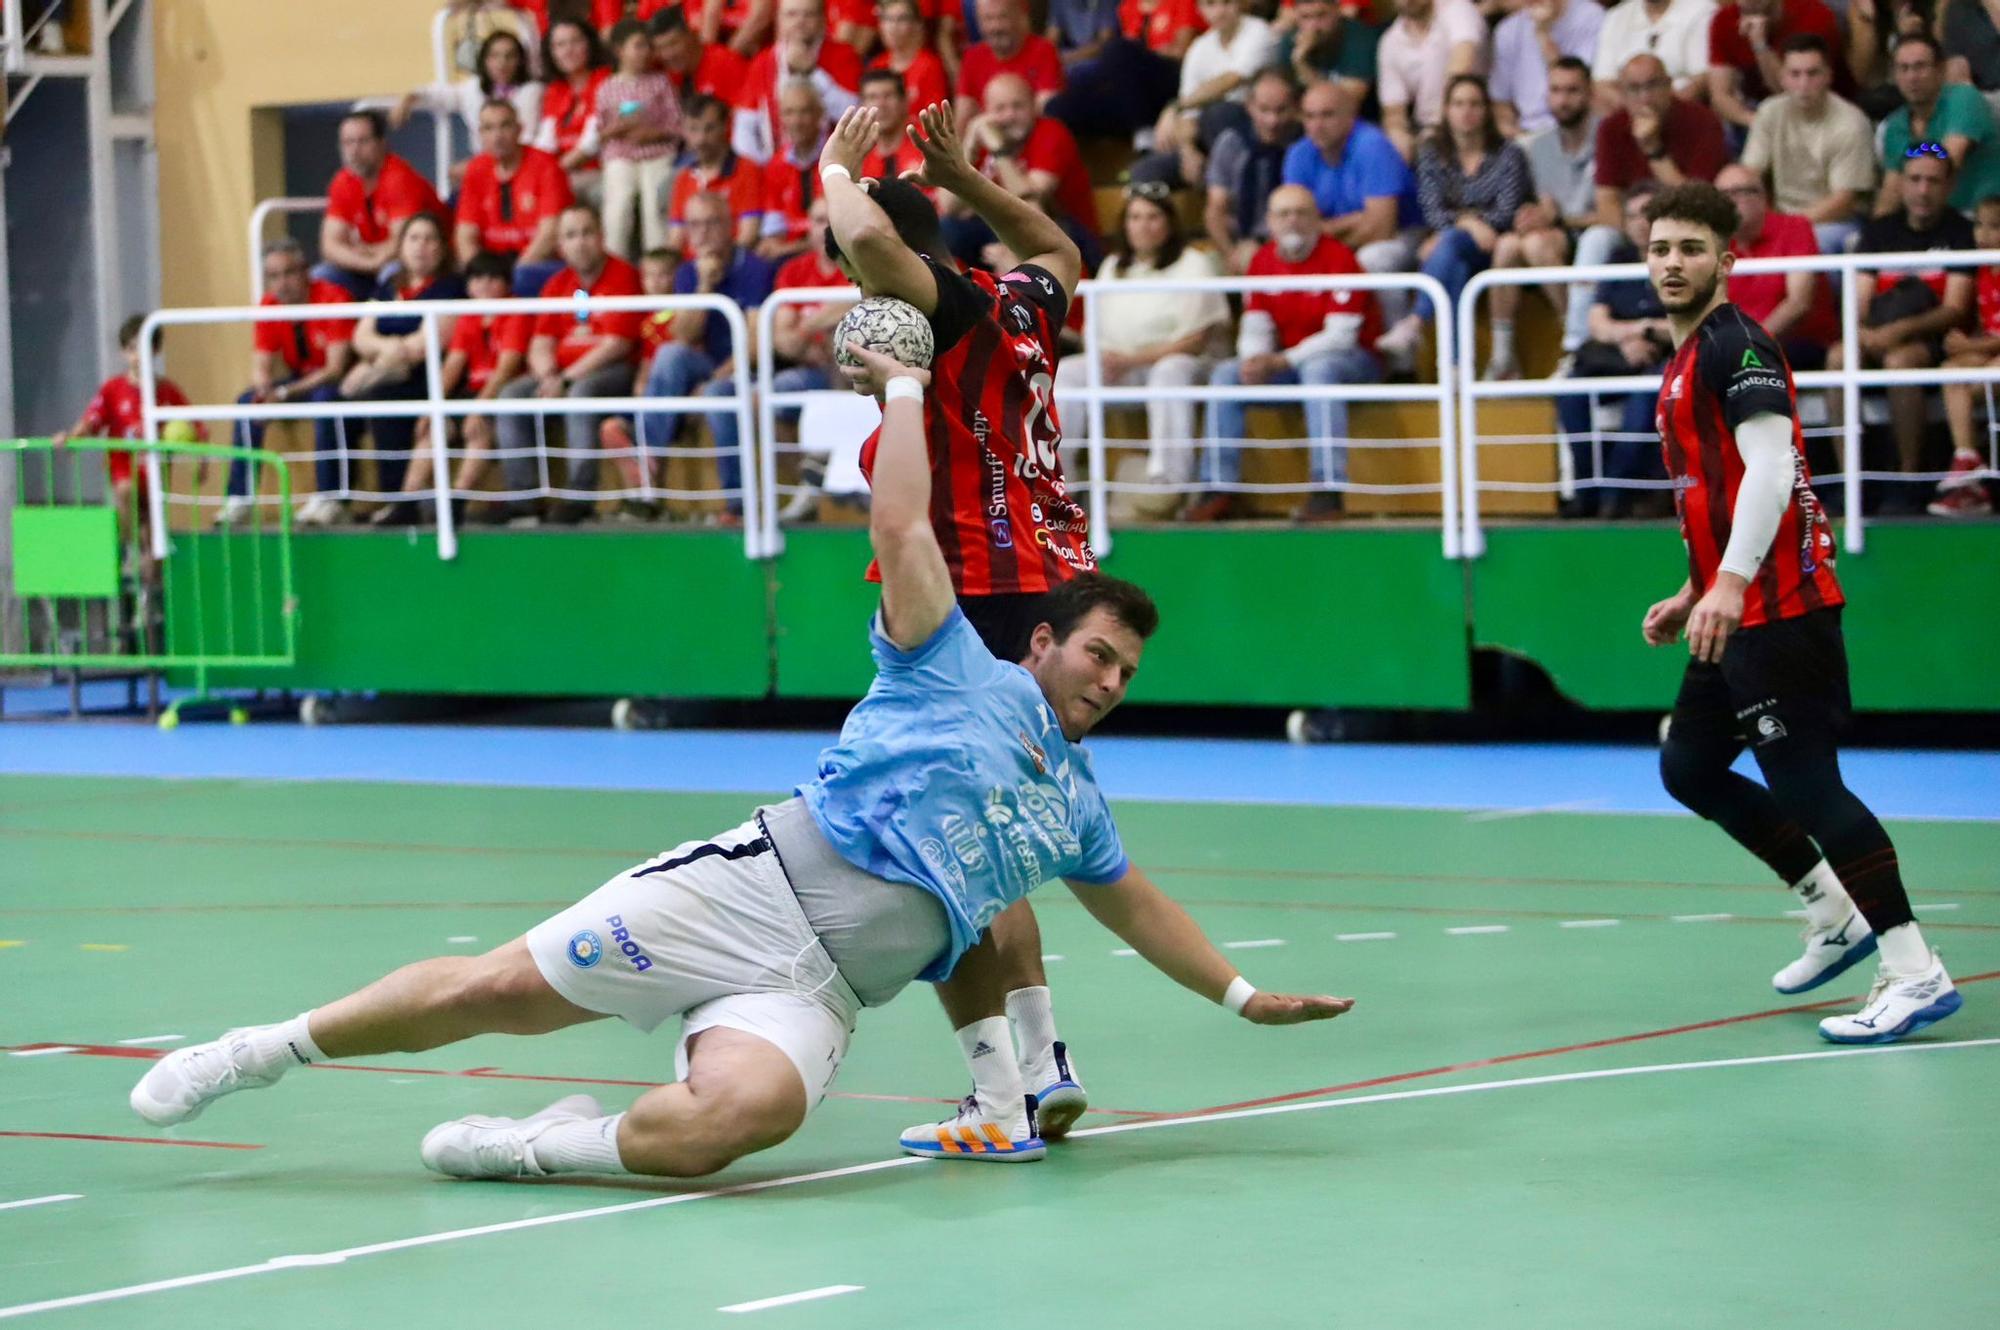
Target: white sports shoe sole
1897,1007
973,1137
1830,953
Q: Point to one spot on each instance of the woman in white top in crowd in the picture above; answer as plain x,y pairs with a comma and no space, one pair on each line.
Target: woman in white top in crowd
504,74
1160,339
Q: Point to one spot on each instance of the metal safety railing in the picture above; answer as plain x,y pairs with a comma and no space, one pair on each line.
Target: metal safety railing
770,402
437,409
1850,380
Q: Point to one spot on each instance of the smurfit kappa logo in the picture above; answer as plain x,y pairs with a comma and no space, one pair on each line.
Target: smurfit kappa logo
585,949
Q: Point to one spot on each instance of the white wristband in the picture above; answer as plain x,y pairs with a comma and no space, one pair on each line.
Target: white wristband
1238,995
832,169
902,388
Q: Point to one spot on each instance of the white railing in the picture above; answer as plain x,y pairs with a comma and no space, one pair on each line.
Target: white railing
260,218
1094,395
1851,380
437,409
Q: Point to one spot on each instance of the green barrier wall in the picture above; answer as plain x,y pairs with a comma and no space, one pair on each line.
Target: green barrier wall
1922,624
1370,617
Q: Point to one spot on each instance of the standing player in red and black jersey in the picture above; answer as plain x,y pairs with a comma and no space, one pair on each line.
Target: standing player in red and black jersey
1761,609
1008,528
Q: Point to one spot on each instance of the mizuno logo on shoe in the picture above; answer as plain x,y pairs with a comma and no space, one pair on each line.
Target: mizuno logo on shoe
1837,939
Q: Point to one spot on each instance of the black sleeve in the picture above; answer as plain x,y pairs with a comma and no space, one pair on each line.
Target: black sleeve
1741,365
960,304
1038,287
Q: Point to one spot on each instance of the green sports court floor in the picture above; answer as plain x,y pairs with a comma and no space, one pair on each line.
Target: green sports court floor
1567,1096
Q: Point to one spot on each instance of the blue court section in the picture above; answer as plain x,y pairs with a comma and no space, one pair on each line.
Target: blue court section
1502,777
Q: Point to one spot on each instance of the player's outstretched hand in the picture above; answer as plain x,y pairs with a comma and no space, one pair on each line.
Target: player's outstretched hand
1665,620
872,375
1719,613
945,158
1284,1009
847,146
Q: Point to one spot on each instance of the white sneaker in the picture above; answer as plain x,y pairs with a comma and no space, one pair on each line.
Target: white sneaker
1500,369
1830,950
1398,346
1898,1005
233,508
317,511
1061,1100
487,1147
184,1082
973,1133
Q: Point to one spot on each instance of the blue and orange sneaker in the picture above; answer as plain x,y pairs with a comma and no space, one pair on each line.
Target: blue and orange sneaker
1062,1100
975,1134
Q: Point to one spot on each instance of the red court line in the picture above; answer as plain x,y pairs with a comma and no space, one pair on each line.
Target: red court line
125,1140
495,1074
1505,1058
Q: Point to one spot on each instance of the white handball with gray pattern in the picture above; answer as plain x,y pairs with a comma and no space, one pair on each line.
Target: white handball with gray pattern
895,328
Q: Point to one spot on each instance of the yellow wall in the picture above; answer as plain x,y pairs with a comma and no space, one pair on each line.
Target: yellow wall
217,62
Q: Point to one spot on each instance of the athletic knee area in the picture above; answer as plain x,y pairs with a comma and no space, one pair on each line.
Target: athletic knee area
692,1129
1694,774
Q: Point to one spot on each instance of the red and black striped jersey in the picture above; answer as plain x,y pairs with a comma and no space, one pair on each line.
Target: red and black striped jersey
1730,370
1003,515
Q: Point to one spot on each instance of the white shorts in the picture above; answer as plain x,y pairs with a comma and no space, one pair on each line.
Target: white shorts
709,931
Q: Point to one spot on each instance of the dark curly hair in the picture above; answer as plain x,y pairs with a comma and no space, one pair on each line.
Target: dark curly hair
1699,202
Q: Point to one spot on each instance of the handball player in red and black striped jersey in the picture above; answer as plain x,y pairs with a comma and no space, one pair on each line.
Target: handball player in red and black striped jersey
1004,520
1761,609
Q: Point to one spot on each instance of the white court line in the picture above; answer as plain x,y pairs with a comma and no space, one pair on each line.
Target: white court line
41,1200
1937,907
152,1039
1700,918
1467,931
810,1295
904,1161
1255,942
42,1052
1362,937
1051,956
1124,951
462,937
1504,814
1588,923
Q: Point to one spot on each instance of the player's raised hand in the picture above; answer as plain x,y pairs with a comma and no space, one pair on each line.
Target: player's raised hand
1284,1009
872,375
1715,617
1666,618
945,158
847,146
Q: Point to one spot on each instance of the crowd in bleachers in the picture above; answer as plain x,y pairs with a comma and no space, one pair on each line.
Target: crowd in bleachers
657,146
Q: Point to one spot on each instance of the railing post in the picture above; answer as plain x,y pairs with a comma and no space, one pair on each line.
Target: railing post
1100,495
1449,352
767,426
1850,401
440,438
1472,543
149,405
746,440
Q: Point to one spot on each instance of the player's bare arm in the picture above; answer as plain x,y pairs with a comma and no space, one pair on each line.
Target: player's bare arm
917,595
864,232
1153,924
1017,223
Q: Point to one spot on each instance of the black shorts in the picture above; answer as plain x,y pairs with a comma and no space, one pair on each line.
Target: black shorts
1004,623
1778,681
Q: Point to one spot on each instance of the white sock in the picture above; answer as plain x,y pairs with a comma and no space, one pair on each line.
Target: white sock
1904,950
1826,900
1034,1020
285,1045
996,1077
1503,339
587,1145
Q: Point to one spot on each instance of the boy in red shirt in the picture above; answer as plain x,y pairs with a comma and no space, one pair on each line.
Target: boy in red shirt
116,412
656,330
1963,492
487,352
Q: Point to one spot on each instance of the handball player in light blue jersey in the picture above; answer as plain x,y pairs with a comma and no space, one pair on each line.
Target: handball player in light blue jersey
957,788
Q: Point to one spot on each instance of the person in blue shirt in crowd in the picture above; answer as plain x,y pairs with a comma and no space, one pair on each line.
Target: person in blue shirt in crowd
1366,192
957,787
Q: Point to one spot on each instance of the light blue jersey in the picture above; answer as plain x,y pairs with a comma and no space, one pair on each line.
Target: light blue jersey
953,775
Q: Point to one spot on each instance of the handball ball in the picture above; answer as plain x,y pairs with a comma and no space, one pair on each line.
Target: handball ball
896,328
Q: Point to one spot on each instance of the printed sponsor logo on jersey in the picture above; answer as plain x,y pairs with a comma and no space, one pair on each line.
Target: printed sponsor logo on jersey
1036,753
585,949
622,936
1744,383
1750,360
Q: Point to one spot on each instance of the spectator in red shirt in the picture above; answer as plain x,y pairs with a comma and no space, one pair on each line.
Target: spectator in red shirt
903,52
852,23
1007,46
1794,307
1746,41
504,73
580,354
292,362
1654,135
711,167
372,194
485,354
893,152
791,177
1031,156
1963,493
801,337
802,51
1314,337
569,105
690,64
510,201
116,411
743,24
656,331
